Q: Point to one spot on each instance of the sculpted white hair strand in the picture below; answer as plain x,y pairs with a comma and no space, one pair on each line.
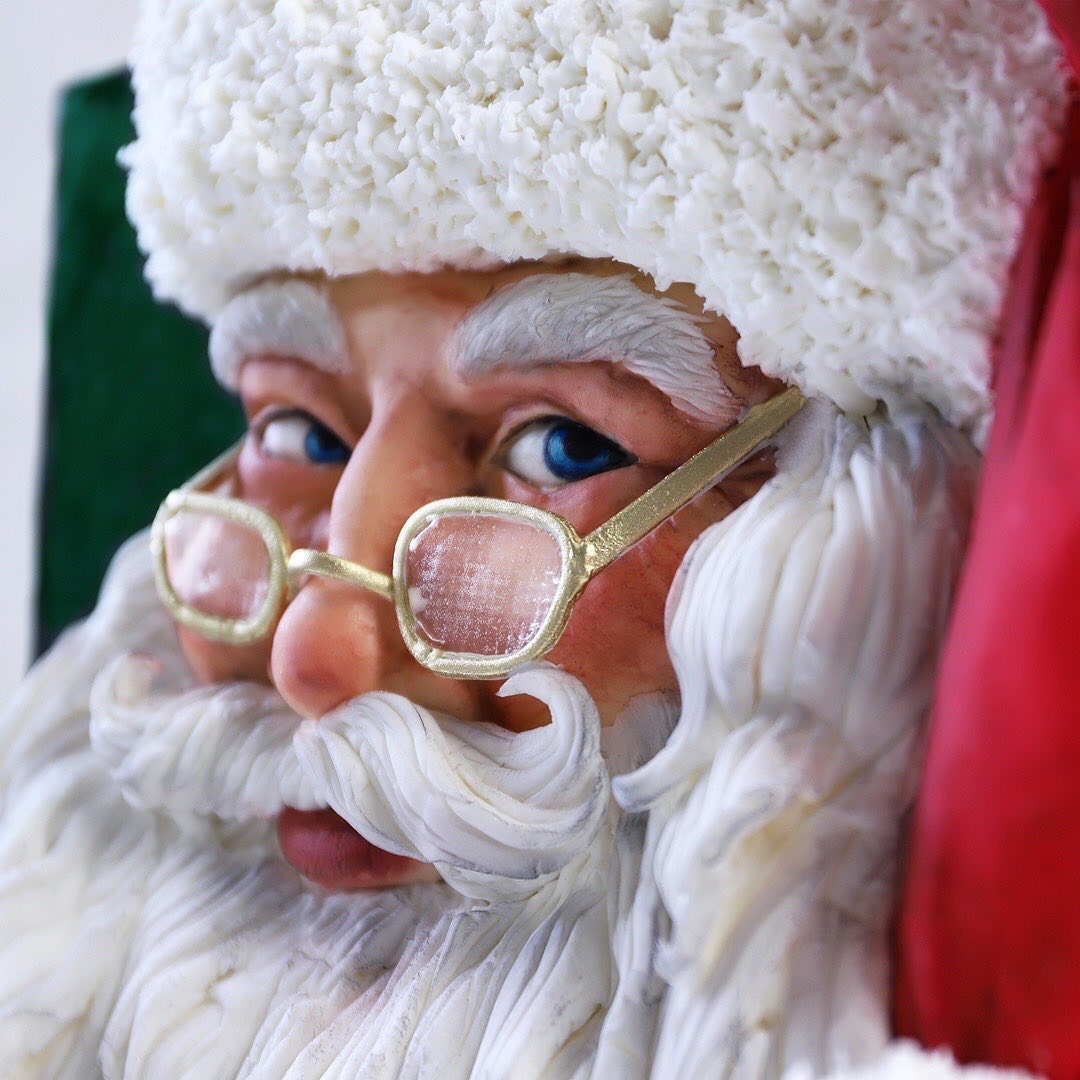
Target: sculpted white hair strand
575,318
291,319
804,631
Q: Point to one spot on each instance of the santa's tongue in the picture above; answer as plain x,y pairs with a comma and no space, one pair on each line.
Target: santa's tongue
323,847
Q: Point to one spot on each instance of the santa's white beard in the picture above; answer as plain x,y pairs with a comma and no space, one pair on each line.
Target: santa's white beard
804,630
167,938
733,921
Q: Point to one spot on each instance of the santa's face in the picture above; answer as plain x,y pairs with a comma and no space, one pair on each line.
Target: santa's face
528,383
719,862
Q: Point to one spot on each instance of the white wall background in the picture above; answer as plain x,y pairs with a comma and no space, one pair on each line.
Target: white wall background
43,45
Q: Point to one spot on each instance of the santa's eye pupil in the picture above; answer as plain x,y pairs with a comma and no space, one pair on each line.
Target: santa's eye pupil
573,451
323,447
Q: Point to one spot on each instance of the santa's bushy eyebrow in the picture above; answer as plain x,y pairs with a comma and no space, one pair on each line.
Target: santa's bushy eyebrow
561,318
292,319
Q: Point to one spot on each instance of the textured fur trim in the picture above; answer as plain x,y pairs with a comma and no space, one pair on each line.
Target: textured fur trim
844,179
908,1061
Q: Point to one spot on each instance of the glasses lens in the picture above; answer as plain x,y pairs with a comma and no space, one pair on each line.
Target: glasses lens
215,565
482,583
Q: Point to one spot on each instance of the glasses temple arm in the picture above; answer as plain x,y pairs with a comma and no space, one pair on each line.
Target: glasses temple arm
606,543
209,473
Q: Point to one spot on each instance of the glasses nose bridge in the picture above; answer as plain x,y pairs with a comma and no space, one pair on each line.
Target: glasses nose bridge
304,562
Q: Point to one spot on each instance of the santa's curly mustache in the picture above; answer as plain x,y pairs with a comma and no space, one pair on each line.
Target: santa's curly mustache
733,882
495,813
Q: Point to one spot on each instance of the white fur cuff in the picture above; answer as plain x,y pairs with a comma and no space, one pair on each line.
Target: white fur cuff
908,1061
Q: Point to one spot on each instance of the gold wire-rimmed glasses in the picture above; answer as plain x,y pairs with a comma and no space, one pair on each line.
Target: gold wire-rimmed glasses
480,585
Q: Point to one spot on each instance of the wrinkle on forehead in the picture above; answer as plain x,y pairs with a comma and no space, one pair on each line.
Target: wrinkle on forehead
561,318
292,319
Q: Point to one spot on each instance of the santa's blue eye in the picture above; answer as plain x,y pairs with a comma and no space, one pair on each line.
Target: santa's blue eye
298,436
323,447
556,451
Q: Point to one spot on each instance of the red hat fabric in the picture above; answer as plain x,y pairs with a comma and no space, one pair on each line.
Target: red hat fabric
988,937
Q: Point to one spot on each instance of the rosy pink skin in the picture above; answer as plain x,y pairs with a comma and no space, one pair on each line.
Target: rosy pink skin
420,433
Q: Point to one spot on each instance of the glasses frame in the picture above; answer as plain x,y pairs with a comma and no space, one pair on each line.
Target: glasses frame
582,557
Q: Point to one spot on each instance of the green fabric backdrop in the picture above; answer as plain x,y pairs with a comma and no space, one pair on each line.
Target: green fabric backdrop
132,409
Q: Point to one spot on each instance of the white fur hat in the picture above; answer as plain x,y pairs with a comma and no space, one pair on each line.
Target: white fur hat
845,180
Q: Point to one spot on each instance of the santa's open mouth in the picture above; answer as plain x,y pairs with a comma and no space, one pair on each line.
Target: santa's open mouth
323,847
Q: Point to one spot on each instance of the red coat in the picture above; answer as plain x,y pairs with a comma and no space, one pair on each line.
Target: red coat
988,934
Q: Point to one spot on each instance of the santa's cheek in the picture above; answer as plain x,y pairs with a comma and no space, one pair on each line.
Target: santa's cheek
614,641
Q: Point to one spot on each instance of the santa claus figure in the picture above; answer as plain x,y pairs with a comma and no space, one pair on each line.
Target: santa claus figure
541,687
